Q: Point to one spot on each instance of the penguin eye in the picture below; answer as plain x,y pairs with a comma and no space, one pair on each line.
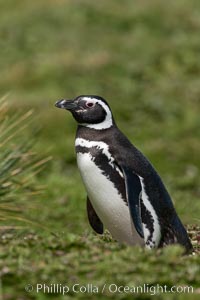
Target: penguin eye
89,104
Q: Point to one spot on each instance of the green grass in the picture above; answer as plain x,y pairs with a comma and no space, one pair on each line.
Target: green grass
143,56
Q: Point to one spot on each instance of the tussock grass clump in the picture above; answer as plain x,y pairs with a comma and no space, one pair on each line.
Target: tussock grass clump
19,164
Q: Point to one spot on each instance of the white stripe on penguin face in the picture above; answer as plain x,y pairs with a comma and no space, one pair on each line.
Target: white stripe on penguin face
108,122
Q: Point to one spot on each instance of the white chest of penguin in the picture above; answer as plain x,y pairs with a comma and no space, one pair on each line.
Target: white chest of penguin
106,200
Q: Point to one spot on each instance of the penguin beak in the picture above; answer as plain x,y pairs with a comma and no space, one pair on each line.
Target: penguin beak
66,104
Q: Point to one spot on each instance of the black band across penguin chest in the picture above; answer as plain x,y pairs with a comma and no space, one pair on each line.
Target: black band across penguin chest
105,162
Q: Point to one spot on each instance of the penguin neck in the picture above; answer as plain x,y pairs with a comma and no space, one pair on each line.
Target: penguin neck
109,122
94,134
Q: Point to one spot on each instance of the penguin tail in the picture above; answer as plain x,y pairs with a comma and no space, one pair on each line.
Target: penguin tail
175,233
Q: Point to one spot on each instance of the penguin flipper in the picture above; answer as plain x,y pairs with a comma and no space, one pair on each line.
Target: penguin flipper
133,190
94,220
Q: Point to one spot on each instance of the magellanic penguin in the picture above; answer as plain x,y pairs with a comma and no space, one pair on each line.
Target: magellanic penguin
125,193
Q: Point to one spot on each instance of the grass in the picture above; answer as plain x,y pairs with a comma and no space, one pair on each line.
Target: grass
143,56
19,166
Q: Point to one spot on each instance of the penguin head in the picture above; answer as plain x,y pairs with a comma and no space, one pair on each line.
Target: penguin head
90,111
